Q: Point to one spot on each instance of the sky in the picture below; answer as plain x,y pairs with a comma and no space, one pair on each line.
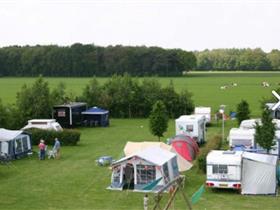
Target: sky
186,24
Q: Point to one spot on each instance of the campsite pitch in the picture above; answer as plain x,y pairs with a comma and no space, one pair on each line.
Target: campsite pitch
76,182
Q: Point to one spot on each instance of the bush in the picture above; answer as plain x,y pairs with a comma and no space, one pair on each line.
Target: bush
213,144
66,137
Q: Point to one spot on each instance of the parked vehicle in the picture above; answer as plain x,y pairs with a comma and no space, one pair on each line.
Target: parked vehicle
204,111
69,115
224,169
240,136
193,126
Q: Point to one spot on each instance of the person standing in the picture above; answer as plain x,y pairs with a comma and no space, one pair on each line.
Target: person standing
42,150
146,199
56,147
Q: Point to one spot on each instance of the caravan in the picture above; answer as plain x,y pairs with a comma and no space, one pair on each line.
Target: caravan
193,126
224,169
203,111
69,115
251,123
242,137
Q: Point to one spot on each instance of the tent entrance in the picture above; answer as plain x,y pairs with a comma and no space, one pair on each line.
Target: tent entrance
128,177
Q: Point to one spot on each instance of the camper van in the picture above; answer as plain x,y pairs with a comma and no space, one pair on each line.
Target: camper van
224,169
193,126
45,124
204,111
241,136
69,115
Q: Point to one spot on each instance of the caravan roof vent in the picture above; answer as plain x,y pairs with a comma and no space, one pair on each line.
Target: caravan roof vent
229,152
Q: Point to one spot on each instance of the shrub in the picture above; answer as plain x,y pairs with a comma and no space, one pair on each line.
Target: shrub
66,137
213,144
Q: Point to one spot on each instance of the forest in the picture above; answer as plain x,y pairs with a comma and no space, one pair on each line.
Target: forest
80,60
238,59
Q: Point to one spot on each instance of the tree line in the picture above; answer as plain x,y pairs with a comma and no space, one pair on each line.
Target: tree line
238,59
88,60
124,96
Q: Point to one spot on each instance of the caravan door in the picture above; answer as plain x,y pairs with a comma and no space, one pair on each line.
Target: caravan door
4,147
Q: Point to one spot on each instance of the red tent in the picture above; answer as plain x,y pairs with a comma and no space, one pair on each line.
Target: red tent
185,146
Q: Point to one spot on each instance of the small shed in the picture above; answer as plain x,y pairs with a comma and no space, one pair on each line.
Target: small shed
96,117
259,174
15,143
144,171
185,146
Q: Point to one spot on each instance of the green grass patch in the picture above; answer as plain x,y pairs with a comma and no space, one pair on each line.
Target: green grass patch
76,182
205,87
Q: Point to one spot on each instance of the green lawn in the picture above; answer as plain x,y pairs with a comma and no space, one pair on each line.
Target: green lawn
204,86
75,182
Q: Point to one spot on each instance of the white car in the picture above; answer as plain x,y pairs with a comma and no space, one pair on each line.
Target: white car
45,124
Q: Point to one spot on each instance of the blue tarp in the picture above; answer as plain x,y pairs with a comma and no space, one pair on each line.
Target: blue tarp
96,117
95,110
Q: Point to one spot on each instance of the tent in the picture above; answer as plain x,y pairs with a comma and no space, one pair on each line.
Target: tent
15,143
144,171
259,174
133,147
185,146
96,117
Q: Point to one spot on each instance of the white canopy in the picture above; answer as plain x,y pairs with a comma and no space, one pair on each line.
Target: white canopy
153,155
134,147
259,173
6,135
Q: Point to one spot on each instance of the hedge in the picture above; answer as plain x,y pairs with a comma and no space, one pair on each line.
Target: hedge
66,137
214,143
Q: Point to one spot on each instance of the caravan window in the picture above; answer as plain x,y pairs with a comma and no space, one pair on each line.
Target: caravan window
18,146
117,174
24,143
220,169
61,113
166,173
189,128
145,174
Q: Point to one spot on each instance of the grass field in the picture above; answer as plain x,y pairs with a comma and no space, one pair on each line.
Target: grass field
76,182
204,86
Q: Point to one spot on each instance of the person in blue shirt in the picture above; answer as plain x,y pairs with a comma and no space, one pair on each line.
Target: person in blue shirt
56,148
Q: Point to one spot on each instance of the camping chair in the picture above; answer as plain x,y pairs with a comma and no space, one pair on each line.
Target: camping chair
52,154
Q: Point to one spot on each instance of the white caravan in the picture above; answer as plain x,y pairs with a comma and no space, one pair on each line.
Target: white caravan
242,137
251,123
45,124
204,111
224,169
193,126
